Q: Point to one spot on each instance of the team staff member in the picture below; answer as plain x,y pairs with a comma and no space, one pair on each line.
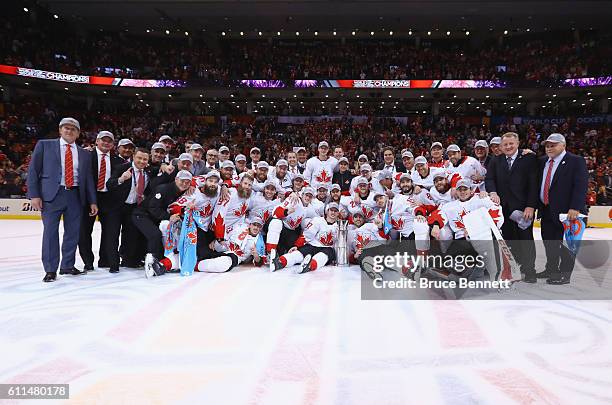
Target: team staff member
60,184
102,164
154,209
511,182
563,187
129,185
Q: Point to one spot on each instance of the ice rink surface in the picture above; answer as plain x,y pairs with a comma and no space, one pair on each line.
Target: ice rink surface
254,337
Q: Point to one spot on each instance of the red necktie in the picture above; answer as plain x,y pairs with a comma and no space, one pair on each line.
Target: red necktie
102,173
140,186
69,175
547,182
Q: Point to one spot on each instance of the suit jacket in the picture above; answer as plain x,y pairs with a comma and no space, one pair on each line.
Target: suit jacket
517,188
568,187
120,192
103,198
45,172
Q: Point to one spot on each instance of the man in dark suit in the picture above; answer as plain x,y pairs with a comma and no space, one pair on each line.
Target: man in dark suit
511,182
563,187
102,164
129,185
388,163
60,184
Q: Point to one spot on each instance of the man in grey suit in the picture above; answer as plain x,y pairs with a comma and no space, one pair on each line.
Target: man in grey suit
60,183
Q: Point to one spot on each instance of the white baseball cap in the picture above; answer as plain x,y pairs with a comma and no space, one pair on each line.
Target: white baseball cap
185,156
433,145
223,148
407,153
70,121
240,157
282,162
184,175
496,140
365,167
453,148
323,144
227,163
165,138
158,145
213,173
481,143
255,149
105,134
554,138
196,146
125,141
420,160
263,164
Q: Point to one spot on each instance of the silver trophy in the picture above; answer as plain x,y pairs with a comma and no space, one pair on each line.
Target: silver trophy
341,248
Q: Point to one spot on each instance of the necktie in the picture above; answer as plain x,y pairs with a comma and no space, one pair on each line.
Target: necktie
547,182
69,175
140,186
102,173
509,160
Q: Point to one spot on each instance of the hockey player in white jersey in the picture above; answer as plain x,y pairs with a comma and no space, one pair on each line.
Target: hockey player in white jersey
231,211
264,203
320,169
261,175
361,234
465,166
285,226
362,201
319,238
365,171
228,174
323,192
423,175
281,177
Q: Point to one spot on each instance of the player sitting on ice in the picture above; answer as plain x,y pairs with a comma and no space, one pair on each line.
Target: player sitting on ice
285,226
479,237
231,211
239,248
316,245
362,235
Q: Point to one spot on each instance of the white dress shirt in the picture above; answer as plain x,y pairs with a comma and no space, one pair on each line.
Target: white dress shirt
132,197
513,159
556,163
108,168
75,162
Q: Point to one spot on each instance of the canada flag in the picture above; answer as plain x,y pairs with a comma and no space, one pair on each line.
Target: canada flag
323,177
327,239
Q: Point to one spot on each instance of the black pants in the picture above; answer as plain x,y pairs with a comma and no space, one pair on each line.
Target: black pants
150,230
559,260
287,239
203,249
85,242
120,222
521,243
313,250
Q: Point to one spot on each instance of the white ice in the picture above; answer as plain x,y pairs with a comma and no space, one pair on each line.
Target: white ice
254,337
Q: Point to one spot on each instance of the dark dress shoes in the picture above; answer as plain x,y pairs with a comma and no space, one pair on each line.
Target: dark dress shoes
88,267
50,277
530,278
558,280
72,271
544,274
114,270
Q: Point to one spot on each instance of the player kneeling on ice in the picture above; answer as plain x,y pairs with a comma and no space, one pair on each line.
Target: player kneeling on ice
316,243
476,232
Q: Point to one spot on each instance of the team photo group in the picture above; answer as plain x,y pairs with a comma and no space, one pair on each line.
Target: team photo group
171,208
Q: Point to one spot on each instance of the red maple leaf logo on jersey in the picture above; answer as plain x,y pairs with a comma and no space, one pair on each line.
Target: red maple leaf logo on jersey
362,241
219,223
459,224
235,248
367,212
206,211
193,237
397,224
327,239
323,177
494,212
241,211
266,215
294,223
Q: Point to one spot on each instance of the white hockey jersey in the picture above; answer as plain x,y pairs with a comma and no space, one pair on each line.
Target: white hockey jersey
320,233
453,212
294,219
240,242
320,172
358,238
367,207
428,181
230,213
201,202
262,208
468,167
